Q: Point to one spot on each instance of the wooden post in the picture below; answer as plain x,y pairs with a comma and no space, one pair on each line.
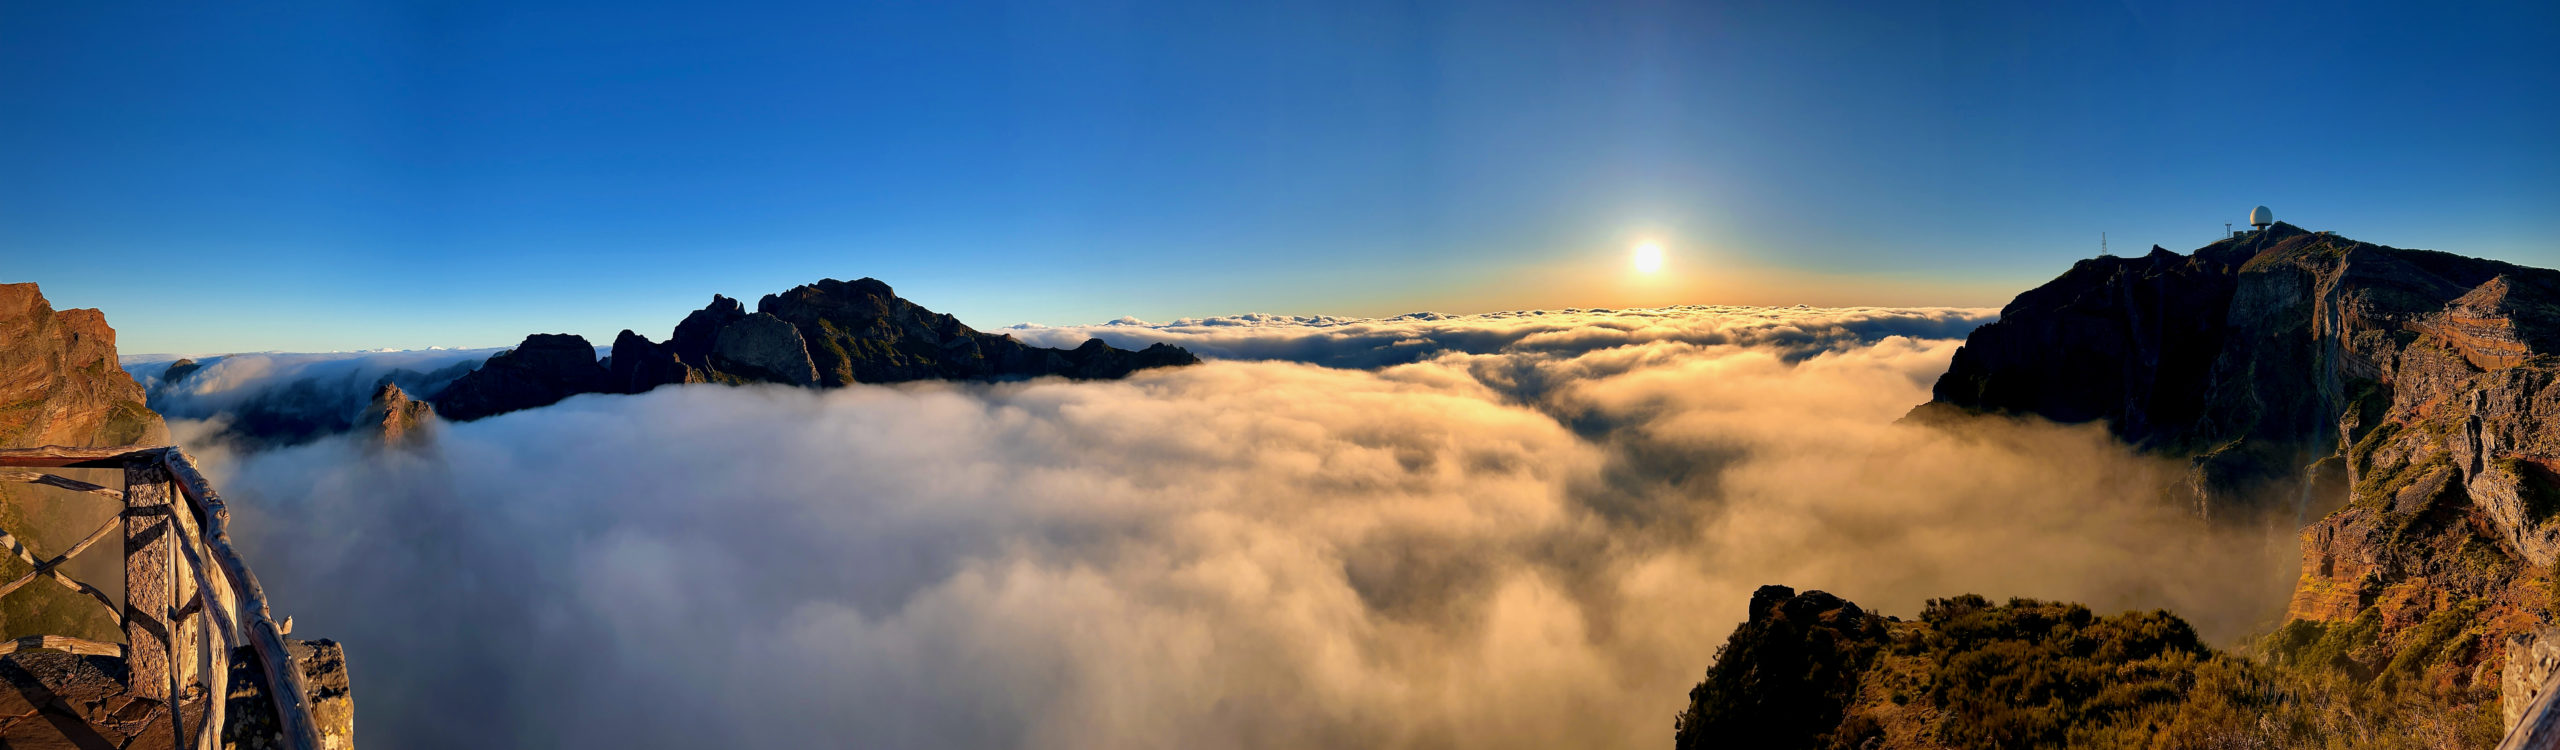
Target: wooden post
149,543
186,633
254,622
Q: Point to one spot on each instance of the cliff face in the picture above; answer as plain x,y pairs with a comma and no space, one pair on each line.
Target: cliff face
59,383
827,335
544,369
2412,391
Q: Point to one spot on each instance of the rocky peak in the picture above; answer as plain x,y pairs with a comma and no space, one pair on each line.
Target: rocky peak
695,335
178,372
1787,677
544,369
2404,405
829,334
59,383
638,365
393,419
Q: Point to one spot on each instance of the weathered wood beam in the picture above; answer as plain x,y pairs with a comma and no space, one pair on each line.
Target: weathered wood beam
10,543
220,635
285,683
67,483
47,566
60,456
61,643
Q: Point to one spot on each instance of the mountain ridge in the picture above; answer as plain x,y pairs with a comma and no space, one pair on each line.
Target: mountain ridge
828,334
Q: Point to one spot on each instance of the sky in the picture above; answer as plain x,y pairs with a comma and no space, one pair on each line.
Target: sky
251,176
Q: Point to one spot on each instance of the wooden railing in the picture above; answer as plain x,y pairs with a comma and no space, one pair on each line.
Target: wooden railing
181,616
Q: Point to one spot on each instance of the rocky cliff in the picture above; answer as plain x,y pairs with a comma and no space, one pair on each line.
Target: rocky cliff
2402,403
827,335
59,384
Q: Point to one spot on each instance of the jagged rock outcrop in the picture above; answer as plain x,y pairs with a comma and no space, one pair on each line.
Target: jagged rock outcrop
760,347
2415,392
2532,657
862,332
394,420
59,383
249,716
829,334
1786,677
544,369
638,365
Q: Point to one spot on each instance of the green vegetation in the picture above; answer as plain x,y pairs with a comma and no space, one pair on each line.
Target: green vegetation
1973,674
2034,674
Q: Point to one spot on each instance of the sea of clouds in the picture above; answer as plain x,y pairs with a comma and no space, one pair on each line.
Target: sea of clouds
227,385
1515,530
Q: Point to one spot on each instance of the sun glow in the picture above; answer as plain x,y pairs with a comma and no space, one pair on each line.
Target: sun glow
1649,257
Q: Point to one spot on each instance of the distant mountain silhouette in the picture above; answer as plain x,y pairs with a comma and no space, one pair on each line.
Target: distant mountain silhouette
826,335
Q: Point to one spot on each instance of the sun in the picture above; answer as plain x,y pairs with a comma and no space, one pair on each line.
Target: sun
1649,257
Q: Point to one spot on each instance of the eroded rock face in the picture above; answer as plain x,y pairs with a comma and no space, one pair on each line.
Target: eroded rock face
59,383
761,347
544,369
249,718
2532,657
2430,381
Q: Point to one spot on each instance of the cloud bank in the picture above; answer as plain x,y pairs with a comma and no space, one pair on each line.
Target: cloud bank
1534,531
1405,339
273,397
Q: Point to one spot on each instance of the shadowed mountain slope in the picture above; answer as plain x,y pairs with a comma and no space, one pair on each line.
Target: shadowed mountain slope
828,335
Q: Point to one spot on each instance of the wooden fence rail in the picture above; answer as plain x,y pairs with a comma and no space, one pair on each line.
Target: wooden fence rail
189,599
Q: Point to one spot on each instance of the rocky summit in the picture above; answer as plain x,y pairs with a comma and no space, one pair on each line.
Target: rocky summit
2402,406
826,335
393,419
544,369
59,383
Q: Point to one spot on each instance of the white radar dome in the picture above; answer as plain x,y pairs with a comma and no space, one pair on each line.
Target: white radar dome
2262,217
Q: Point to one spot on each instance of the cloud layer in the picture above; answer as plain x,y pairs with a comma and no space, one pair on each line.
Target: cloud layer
271,397
1405,339
1514,531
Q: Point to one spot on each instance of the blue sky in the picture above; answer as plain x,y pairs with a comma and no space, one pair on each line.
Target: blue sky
353,175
